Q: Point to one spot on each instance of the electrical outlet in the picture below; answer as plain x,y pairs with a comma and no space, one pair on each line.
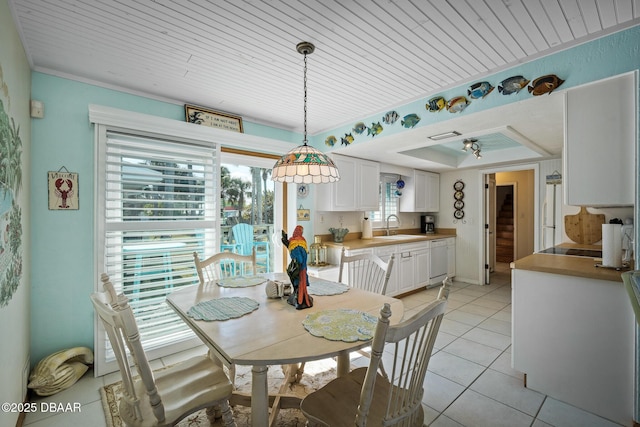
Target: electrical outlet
321,219
413,221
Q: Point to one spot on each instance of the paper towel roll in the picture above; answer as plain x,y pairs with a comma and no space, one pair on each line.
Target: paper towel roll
367,232
612,245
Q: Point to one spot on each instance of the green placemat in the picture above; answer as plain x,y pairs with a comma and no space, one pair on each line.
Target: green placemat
325,287
341,325
223,308
240,281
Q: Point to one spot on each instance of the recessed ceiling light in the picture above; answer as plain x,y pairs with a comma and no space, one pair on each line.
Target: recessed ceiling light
445,135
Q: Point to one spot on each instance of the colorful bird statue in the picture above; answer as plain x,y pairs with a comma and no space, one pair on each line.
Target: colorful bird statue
297,269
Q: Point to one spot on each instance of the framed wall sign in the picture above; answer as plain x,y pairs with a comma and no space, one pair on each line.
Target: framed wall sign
63,190
214,119
303,214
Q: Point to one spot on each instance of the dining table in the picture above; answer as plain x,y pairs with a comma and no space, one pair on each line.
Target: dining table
269,331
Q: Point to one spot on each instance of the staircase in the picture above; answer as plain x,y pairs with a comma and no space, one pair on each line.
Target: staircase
504,231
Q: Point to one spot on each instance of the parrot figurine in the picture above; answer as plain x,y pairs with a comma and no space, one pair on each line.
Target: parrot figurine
297,269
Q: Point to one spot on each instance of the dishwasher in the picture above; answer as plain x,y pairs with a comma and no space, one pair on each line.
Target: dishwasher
438,261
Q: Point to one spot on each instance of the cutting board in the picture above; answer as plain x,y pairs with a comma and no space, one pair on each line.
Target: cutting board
584,227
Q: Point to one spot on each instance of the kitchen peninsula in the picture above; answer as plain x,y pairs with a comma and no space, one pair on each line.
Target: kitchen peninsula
573,333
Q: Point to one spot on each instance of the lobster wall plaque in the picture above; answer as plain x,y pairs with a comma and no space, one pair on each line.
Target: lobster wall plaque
63,190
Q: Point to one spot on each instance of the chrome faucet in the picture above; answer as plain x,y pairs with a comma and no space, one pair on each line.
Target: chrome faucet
397,219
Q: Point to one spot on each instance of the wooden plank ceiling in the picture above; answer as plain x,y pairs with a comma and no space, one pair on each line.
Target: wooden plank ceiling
239,55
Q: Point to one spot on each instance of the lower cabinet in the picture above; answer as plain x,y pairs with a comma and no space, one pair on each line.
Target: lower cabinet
385,253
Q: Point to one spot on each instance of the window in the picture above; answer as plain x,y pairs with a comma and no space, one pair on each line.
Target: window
388,202
157,204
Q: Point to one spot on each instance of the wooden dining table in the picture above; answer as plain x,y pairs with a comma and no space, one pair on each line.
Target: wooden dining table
274,334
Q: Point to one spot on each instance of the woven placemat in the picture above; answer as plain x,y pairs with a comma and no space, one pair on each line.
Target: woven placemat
223,308
241,281
325,287
341,324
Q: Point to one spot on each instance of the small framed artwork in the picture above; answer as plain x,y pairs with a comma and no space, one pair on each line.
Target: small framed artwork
211,118
63,190
304,214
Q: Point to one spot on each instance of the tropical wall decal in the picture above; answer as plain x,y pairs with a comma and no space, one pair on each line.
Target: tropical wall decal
10,210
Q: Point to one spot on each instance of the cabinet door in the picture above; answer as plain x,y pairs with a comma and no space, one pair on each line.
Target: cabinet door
344,191
406,271
369,178
432,192
600,137
420,195
421,259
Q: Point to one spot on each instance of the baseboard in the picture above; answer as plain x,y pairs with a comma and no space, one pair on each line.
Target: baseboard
22,415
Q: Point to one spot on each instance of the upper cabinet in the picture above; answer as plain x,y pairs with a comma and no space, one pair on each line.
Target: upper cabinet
421,192
599,143
357,189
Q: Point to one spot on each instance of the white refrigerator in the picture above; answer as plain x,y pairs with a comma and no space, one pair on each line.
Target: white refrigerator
552,224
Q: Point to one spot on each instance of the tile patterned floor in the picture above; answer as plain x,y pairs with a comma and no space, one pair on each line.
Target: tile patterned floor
470,382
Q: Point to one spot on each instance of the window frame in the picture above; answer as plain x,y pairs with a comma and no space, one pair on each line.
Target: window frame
378,218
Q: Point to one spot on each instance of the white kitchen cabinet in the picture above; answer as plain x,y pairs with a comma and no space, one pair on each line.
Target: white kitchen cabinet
406,271
357,189
421,192
422,267
599,144
574,339
413,266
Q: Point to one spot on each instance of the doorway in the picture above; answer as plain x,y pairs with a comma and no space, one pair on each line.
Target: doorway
510,219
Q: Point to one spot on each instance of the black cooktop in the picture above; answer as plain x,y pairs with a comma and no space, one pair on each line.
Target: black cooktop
591,253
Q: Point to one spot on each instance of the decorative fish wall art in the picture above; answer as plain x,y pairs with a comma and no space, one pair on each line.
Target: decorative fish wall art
544,84
410,120
457,104
512,85
375,129
436,104
479,90
330,141
347,139
391,117
359,127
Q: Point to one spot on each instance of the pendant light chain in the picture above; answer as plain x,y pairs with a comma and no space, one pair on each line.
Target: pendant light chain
305,99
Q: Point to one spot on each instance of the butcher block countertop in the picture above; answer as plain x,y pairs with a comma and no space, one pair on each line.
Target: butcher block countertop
355,242
569,265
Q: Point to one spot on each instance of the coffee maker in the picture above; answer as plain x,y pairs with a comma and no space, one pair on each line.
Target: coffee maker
427,224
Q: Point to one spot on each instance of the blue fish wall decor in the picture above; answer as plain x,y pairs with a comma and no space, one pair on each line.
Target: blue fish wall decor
512,85
410,120
479,90
359,127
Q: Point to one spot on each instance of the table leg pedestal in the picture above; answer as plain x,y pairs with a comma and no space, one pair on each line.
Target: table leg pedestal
344,364
260,396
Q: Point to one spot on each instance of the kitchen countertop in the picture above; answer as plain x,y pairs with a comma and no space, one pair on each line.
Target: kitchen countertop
387,240
569,265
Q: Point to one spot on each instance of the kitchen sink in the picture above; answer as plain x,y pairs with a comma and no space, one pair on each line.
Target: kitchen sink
398,237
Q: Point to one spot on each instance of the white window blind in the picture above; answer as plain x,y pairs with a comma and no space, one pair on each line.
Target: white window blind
388,202
160,204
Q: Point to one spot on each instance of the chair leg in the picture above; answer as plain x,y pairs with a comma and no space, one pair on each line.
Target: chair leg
223,410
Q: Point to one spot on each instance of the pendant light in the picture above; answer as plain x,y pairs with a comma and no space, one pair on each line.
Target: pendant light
304,164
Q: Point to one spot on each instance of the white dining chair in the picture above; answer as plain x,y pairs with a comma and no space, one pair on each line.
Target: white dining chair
224,264
164,397
364,397
365,271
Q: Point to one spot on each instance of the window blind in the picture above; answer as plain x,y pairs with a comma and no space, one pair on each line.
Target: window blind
159,207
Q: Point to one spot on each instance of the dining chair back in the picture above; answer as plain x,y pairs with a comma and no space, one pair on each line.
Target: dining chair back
244,236
364,397
224,264
365,271
165,397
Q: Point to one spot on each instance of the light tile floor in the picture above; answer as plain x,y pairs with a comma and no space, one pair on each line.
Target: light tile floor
470,382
